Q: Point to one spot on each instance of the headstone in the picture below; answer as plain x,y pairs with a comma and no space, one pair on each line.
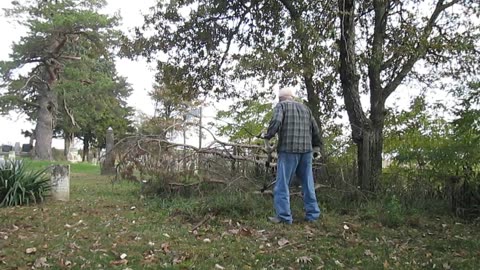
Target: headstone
60,181
73,156
26,148
108,167
6,148
11,155
17,148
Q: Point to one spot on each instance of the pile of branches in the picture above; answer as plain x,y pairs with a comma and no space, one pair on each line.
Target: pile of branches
174,166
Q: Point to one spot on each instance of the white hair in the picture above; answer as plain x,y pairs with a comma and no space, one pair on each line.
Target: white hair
286,92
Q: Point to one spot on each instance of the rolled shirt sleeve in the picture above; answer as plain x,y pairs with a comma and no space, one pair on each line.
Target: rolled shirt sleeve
275,122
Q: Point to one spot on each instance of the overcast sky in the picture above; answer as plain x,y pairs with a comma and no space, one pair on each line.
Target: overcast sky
139,74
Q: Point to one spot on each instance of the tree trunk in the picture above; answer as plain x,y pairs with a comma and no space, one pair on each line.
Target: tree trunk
367,133
86,146
44,127
68,139
313,101
369,155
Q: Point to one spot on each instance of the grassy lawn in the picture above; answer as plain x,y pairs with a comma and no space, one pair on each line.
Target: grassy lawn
103,222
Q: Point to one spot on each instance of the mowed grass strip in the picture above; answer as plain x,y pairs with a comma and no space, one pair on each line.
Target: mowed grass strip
107,226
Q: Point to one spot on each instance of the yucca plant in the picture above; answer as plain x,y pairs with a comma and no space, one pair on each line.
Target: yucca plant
19,186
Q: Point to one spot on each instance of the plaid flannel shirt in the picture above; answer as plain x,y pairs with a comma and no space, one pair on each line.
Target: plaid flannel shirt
297,130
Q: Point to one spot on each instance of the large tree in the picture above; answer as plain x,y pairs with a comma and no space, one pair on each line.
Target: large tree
212,44
54,27
172,105
87,116
382,44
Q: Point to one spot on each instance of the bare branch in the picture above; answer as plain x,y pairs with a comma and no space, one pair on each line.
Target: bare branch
71,57
421,48
74,123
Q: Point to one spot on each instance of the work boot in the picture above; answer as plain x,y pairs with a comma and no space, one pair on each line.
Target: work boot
277,220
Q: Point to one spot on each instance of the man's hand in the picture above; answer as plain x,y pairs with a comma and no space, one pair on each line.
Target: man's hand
262,136
316,152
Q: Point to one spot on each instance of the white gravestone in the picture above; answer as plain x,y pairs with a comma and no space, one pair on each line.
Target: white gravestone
17,148
73,156
60,181
11,155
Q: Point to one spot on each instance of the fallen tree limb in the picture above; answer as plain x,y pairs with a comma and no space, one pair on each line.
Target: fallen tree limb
205,219
214,181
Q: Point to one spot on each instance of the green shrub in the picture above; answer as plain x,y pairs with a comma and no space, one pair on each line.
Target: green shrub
393,213
19,186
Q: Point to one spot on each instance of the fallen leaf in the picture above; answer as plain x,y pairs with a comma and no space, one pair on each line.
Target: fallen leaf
206,240
96,245
446,266
178,260
149,257
119,262
165,248
245,232
218,266
339,264
282,242
386,265
304,260
74,225
368,253
73,246
41,263
15,228
234,231
166,235
462,253
30,250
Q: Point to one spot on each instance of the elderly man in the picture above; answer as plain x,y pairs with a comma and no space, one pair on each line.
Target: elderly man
298,138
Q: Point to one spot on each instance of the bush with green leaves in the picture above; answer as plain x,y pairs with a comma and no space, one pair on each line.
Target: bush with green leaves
20,186
434,157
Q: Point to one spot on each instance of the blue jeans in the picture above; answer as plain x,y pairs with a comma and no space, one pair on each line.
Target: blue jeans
289,164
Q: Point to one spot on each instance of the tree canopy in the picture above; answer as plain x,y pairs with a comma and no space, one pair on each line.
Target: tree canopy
63,36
